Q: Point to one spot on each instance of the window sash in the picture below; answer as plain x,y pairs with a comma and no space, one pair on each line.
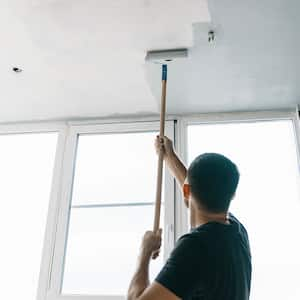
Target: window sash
69,160
291,116
48,241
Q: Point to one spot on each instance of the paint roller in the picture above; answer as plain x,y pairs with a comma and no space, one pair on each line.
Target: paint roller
163,58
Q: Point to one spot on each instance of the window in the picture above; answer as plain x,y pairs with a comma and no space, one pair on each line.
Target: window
267,200
26,166
102,202
112,206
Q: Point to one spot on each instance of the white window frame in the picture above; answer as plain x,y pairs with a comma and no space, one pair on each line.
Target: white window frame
55,232
48,243
51,289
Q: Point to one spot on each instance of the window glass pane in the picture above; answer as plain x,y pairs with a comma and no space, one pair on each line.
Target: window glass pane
113,196
111,167
267,200
26,166
103,247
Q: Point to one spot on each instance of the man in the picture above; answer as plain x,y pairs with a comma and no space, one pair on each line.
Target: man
213,261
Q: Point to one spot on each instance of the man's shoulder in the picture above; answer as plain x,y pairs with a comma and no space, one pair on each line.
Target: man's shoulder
192,242
185,266
190,249
196,235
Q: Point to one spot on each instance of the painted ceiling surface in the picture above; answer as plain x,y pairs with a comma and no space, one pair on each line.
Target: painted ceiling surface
86,58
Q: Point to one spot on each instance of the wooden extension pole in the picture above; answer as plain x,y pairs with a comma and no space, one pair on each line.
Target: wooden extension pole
161,152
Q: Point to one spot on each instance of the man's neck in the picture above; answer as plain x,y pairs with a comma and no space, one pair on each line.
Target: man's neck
203,217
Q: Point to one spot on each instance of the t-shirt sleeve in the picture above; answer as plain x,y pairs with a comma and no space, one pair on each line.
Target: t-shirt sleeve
183,271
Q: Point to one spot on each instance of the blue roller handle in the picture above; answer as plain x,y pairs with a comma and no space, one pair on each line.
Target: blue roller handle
164,72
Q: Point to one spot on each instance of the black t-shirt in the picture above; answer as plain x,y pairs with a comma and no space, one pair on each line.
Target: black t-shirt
212,262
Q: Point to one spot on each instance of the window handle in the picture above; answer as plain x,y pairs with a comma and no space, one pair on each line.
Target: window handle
170,233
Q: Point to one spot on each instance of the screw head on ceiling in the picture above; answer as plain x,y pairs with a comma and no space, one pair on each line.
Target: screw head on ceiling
211,36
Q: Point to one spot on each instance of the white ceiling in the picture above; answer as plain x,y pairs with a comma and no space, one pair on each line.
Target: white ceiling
86,58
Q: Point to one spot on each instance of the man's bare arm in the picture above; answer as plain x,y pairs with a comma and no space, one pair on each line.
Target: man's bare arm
177,168
140,280
173,162
157,291
150,249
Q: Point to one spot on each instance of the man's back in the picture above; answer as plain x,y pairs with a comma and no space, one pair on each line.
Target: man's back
212,262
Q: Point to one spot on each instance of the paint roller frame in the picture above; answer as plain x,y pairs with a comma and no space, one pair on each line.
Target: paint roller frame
162,57
166,56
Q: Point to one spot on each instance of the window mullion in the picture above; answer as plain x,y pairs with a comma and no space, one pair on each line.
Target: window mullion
49,239
169,206
63,214
181,212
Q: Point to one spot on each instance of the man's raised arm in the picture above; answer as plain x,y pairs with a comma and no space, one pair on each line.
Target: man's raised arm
175,165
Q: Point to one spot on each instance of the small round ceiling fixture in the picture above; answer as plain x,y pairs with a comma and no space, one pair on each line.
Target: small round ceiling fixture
17,70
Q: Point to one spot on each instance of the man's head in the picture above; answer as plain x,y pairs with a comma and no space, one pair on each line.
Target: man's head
212,180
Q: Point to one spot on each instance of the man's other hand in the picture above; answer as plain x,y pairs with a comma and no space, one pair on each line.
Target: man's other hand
151,243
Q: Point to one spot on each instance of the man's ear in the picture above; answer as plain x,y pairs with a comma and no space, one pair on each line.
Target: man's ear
186,189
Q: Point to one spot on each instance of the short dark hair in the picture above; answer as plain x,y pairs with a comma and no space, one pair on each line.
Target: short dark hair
213,179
